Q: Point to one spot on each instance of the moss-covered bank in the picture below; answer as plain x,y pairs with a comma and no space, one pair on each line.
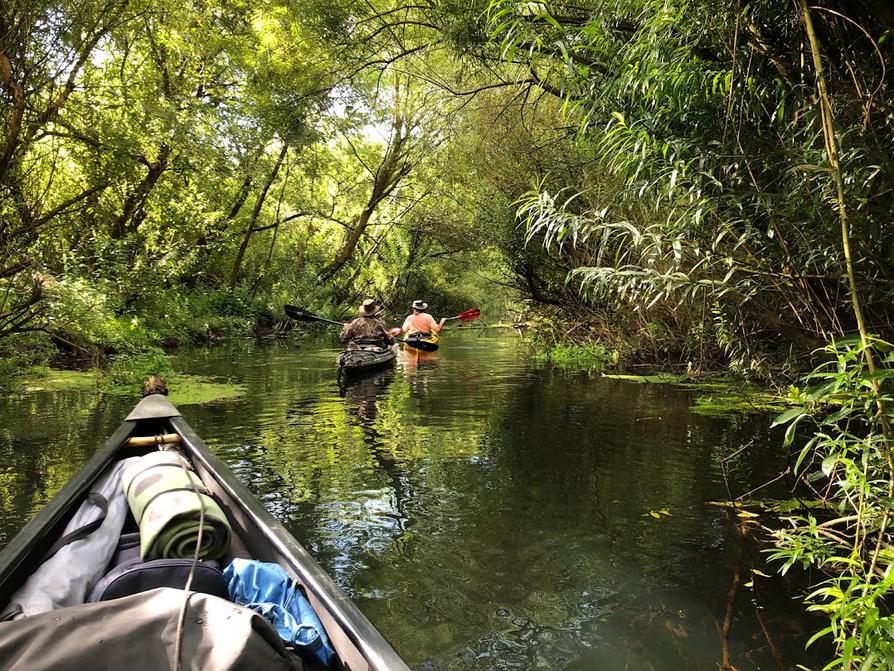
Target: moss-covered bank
184,389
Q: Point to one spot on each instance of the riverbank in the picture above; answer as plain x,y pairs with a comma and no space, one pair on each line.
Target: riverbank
91,328
720,391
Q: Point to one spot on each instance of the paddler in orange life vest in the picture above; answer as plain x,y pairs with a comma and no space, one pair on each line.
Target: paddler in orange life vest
420,322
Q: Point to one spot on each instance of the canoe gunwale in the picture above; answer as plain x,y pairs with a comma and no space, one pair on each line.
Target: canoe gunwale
369,641
39,531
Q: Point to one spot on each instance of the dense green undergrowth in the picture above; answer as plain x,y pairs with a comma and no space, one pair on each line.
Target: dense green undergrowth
124,343
96,318
591,356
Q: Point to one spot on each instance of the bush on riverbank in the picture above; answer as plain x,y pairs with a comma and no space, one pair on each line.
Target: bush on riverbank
88,327
847,463
100,317
669,341
591,357
26,351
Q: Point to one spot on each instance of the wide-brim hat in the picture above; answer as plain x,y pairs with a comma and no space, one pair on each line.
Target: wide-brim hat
420,305
369,307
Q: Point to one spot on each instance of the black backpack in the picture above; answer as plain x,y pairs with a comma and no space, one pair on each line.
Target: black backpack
128,574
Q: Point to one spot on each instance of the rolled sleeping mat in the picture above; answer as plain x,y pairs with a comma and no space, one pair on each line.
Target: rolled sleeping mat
161,492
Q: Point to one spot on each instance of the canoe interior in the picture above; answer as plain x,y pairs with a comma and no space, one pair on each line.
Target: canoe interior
256,534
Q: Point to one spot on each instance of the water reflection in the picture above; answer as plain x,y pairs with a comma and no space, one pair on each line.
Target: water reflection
484,512
45,438
414,360
362,395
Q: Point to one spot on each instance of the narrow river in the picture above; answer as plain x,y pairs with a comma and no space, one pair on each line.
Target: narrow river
484,511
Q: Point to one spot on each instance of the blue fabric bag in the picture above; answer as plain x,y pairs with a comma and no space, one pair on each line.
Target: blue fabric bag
268,589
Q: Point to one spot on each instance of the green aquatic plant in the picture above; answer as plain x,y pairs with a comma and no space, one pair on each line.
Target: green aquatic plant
125,377
660,378
194,390
128,371
50,379
847,464
733,398
716,395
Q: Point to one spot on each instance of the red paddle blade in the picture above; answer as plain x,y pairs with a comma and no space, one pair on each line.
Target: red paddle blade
469,315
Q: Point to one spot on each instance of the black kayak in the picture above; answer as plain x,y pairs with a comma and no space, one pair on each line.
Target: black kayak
356,361
256,534
424,342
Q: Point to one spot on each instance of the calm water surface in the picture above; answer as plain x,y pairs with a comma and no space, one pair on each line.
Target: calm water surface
485,512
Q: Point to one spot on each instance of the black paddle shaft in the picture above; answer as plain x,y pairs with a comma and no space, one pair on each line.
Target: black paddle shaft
302,315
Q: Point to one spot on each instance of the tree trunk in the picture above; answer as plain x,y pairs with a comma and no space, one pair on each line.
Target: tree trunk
402,279
238,202
246,238
134,210
391,171
347,249
241,197
17,112
343,293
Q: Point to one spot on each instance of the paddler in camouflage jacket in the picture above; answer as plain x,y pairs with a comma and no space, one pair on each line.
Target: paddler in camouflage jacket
368,326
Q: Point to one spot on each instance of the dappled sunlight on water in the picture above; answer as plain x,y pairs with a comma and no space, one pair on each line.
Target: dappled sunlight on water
485,512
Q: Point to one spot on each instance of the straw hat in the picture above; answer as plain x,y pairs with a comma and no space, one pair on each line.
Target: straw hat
420,305
368,308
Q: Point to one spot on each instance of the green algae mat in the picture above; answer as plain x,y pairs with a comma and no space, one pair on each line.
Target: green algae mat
184,389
